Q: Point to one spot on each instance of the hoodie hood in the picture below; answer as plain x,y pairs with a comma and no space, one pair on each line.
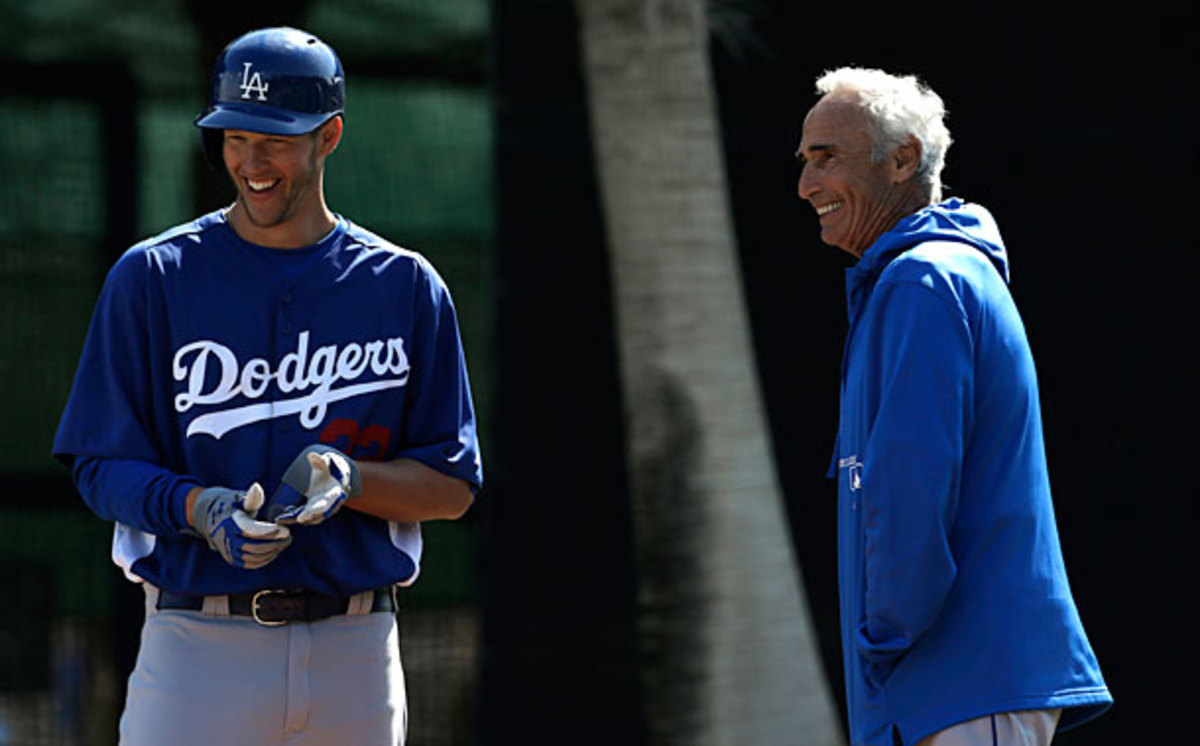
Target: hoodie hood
952,220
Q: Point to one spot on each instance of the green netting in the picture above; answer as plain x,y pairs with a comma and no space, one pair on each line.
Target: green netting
415,160
386,26
52,224
56,542
167,151
52,157
156,40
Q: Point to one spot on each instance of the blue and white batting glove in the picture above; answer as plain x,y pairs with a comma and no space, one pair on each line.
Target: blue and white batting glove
225,518
319,481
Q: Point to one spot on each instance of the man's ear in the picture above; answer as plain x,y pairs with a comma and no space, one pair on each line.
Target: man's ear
905,160
329,136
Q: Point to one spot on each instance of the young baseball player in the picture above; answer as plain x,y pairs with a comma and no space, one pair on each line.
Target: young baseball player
269,402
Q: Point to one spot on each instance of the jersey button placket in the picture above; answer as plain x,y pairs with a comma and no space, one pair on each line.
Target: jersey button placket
285,340
285,304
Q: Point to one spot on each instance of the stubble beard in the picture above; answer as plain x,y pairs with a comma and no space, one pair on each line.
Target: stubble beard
291,199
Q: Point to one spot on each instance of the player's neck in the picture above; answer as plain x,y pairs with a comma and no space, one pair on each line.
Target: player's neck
305,228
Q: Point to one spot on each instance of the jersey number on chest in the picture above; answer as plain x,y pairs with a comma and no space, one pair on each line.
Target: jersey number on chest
368,443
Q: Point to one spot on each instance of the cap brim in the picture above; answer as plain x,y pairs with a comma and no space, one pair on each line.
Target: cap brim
262,119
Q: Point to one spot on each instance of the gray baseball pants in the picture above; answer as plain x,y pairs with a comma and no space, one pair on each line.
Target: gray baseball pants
204,678
1022,728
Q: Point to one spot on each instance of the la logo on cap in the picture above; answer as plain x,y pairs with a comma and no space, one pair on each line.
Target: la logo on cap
252,83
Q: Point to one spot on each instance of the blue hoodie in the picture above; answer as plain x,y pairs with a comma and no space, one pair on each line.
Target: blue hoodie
954,597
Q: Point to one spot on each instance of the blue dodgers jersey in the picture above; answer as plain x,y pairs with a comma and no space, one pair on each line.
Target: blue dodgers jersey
207,357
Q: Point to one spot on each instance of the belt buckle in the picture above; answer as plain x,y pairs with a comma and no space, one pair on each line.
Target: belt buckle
254,608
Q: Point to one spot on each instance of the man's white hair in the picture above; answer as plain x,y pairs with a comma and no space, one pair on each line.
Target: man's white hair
897,106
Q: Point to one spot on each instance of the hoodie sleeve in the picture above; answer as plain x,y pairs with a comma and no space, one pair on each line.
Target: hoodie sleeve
912,467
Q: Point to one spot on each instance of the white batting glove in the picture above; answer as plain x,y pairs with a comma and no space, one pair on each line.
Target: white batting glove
319,481
225,518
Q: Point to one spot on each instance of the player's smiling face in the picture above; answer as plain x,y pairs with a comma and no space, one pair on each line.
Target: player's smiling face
856,199
279,185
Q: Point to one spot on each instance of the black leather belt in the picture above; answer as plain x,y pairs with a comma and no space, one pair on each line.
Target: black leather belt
275,607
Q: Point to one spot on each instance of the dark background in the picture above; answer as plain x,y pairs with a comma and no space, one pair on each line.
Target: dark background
1068,125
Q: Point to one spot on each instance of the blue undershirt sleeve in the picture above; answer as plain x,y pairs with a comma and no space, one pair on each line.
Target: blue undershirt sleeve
136,493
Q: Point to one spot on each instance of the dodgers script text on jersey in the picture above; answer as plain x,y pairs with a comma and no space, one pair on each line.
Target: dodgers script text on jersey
296,373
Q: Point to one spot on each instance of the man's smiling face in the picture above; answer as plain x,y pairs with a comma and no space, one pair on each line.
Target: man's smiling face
276,175
856,199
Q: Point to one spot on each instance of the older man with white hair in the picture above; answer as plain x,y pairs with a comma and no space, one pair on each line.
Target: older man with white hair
958,623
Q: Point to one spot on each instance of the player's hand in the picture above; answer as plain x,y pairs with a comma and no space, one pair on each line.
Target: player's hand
225,518
319,481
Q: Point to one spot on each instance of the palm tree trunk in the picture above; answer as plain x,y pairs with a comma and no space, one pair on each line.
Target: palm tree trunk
729,653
